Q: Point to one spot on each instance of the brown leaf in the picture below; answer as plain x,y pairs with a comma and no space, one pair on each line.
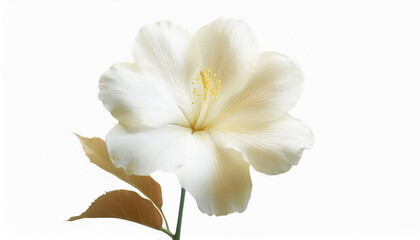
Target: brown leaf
96,151
124,204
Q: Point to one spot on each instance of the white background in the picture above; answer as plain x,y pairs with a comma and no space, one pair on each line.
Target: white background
361,63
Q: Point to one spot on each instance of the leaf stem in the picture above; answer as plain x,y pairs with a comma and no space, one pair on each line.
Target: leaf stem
167,232
177,235
164,218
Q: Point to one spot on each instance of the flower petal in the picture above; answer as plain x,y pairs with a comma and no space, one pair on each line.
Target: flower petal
218,178
272,90
270,148
228,47
167,48
148,150
134,97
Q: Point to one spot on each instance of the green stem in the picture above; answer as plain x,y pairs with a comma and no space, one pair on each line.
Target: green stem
177,235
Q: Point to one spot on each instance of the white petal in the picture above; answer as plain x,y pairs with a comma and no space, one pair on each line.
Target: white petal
271,148
167,48
272,90
148,150
228,47
218,178
135,97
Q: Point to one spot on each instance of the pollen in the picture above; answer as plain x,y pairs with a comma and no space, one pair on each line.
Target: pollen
206,86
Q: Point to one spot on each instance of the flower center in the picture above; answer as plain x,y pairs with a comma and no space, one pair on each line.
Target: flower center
206,86
206,89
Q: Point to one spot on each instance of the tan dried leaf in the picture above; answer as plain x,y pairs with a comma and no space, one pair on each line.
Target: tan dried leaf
96,151
124,204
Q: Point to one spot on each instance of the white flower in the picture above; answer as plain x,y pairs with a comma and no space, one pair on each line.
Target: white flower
205,106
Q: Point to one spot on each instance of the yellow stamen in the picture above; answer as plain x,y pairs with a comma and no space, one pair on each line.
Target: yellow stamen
208,85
